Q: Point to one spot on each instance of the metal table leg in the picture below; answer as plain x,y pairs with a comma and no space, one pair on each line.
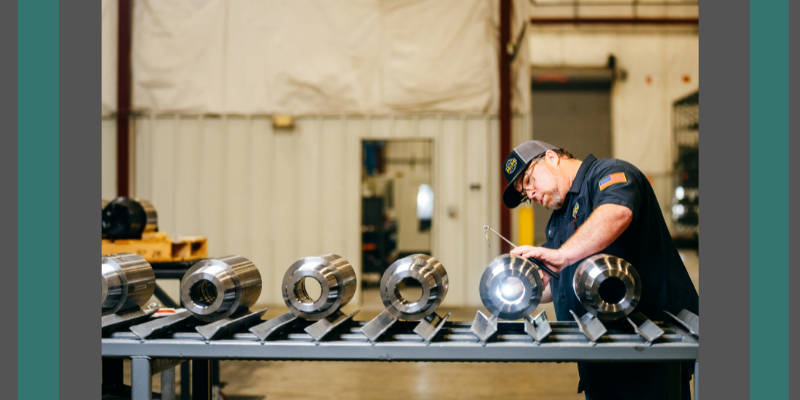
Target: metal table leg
186,381
201,379
141,379
674,381
168,384
697,379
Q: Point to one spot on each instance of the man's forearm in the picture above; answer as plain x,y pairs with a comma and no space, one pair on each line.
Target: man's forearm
603,227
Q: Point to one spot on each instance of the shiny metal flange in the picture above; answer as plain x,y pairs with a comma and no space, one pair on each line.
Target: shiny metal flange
217,288
128,282
337,281
432,278
511,287
607,286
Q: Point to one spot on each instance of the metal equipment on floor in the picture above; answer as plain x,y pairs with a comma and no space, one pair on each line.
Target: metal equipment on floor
512,342
337,281
217,288
511,287
128,218
127,282
607,286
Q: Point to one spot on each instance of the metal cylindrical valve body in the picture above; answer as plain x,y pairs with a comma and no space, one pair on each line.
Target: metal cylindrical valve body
428,272
127,218
337,282
511,287
128,282
217,288
607,286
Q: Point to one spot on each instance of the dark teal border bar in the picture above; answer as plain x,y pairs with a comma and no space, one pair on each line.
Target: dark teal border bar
37,212
769,199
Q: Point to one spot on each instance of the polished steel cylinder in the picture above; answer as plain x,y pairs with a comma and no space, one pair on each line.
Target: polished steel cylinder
511,287
431,276
337,281
128,282
217,288
607,286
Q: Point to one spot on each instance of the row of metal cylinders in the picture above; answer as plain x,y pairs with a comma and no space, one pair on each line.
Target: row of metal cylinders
511,288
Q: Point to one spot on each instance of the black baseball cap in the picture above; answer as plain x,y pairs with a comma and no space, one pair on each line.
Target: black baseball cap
516,164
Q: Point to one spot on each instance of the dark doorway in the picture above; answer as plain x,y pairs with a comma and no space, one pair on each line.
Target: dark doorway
573,113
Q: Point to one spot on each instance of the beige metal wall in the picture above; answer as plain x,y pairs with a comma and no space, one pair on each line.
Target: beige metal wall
109,158
276,196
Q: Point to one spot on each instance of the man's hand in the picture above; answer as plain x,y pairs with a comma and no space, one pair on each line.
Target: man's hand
553,259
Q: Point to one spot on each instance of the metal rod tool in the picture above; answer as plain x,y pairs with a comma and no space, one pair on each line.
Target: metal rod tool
538,263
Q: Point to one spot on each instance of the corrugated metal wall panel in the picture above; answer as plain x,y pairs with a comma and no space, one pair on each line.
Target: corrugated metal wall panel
276,196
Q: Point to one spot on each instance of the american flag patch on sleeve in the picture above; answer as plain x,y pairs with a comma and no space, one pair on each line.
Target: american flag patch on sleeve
619,177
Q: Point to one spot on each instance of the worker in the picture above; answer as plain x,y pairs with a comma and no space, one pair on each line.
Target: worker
602,206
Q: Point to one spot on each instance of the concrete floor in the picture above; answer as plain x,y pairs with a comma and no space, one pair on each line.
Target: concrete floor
256,380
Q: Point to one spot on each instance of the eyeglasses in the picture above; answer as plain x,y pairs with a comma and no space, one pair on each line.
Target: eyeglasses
528,180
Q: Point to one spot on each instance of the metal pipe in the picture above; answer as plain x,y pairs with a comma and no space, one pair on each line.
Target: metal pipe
124,29
615,21
511,287
128,281
129,218
423,269
337,281
504,109
607,286
217,288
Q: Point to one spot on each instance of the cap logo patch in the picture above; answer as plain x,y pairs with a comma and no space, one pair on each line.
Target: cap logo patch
511,165
619,177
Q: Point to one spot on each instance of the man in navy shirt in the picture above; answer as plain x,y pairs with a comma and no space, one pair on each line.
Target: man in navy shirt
601,206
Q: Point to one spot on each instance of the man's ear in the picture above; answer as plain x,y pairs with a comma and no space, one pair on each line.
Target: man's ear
552,157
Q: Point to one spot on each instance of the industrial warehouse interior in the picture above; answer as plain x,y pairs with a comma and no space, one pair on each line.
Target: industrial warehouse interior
310,199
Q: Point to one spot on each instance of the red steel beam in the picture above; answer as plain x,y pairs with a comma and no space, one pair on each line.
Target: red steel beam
123,97
504,64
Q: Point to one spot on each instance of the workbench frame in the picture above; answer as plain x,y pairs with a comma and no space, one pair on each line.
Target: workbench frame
453,344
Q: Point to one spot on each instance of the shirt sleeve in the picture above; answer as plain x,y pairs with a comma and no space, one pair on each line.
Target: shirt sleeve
617,182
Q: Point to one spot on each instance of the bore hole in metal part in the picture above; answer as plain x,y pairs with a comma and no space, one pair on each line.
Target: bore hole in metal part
612,290
408,290
308,290
203,293
511,289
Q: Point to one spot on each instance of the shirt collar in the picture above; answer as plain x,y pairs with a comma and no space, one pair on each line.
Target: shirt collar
581,175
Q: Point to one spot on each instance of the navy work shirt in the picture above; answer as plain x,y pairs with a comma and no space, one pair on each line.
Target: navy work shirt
646,244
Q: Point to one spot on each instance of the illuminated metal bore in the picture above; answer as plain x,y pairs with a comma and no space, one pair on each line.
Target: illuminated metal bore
425,270
128,282
607,286
511,287
218,288
337,281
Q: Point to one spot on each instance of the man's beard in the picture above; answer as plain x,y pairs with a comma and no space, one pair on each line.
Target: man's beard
555,200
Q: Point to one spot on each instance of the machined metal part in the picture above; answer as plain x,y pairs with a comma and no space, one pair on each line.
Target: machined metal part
607,286
648,330
277,325
325,326
217,288
511,287
688,319
128,282
124,319
428,272
162,325
337,280
430,326
378,325
128,218
225,326
590,326
483,327
538,327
